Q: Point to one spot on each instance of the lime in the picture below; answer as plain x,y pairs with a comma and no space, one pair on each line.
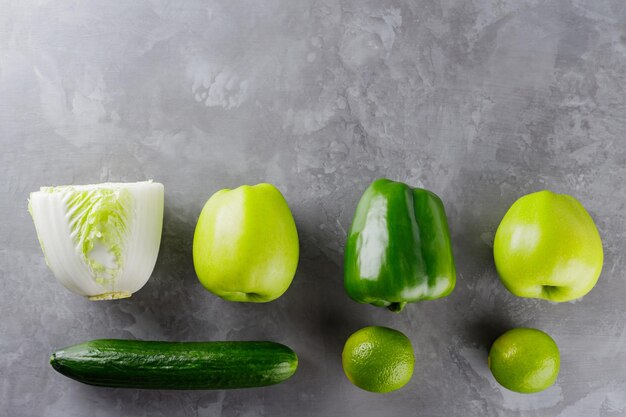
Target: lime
378,359
524,360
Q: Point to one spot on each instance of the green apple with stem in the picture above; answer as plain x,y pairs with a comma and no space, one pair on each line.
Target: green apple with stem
245,245
547,246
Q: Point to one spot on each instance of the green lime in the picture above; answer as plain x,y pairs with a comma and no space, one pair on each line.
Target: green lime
378,359
525,360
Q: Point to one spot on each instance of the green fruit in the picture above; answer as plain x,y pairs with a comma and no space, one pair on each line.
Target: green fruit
525,360
245,247
547,246
378,359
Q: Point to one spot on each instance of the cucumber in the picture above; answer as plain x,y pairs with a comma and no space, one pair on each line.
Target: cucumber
176,365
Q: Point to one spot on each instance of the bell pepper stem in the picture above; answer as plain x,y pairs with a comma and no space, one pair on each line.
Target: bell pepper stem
396,307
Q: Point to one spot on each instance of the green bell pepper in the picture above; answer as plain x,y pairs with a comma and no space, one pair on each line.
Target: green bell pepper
398,249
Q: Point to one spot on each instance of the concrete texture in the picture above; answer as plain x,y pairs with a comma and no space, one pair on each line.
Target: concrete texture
480,101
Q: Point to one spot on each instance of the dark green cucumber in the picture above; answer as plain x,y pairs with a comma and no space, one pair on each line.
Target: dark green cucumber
176,365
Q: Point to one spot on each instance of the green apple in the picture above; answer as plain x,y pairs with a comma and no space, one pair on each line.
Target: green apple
547,246
245,247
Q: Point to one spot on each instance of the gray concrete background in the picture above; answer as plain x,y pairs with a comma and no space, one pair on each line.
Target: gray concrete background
480,101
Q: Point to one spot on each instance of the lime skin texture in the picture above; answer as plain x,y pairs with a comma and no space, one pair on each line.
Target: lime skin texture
378,359
547,246
525,360
245,245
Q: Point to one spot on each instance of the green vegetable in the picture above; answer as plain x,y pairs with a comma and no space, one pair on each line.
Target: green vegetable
398,249
547,246
102,240
176,365
245,247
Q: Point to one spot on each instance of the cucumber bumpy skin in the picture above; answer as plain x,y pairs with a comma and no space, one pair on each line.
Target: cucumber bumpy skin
176,365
